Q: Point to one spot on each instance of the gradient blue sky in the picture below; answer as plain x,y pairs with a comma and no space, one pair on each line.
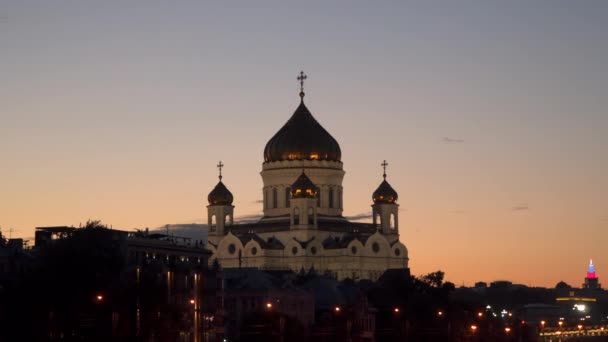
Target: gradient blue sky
492,116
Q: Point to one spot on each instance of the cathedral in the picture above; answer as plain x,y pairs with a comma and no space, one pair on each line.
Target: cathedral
302,226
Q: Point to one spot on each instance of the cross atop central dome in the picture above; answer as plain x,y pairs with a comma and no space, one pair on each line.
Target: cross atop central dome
302,138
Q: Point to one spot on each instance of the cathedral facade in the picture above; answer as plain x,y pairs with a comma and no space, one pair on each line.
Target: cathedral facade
302,226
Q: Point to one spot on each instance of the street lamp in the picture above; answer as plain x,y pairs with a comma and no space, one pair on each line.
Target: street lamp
269,305
337,309
99,298
396,310
560,323
192,301
439,313
473,328
480,314
507,330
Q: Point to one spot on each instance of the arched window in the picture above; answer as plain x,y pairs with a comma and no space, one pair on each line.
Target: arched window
331,197
392,221
213,221
378,221
311,216
266,205
274,198
339,199
296,216
318,197
287,196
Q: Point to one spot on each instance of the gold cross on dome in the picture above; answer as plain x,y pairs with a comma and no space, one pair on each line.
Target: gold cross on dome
384,165
301,78
220,166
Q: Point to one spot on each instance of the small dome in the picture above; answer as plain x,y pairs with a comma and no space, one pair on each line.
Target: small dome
303,187
385,194
220,195
302,138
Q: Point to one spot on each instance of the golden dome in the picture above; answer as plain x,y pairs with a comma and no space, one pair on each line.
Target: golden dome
220,195
385,194
302,138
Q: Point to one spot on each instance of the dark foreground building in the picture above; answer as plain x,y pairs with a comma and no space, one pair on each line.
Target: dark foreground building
100,284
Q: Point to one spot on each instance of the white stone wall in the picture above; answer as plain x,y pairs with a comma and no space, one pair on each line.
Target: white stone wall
357,260
279,176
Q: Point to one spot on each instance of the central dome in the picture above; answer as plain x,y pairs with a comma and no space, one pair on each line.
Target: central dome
302,138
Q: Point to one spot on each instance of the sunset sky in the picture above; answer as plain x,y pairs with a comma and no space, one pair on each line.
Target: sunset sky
492,116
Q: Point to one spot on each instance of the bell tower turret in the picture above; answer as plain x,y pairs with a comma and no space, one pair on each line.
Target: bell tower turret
385,209
220,211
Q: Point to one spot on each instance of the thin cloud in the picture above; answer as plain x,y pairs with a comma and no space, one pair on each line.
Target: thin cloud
520,207
449,140
361,216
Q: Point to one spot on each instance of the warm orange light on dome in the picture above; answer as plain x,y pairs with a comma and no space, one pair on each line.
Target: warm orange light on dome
302,138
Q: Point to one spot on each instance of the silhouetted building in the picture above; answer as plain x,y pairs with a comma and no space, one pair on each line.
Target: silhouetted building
259,302
152,286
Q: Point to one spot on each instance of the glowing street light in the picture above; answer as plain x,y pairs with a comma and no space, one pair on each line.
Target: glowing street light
480,314
473,328
99,298
396,310
439,313
507,330
337,309
580,327
269,305
192,301
560,323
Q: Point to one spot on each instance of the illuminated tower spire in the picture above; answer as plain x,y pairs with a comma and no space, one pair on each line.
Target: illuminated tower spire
592,281
591,272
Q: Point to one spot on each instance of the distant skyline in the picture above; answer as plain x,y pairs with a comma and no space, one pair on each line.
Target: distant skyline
492,117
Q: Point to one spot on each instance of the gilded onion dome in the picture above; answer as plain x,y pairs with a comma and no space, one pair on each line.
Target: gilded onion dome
303,187
220,195
385,194
302,138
